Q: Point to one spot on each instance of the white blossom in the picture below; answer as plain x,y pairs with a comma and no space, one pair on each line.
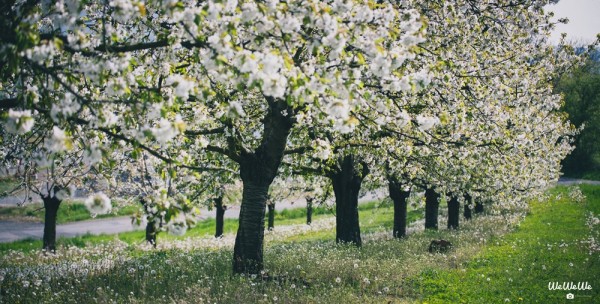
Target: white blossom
98,203
19,122
177,226
58,141
427,122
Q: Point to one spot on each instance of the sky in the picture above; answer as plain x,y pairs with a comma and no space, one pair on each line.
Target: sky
584,19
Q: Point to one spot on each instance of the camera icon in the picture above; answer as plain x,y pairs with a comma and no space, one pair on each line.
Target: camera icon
570,296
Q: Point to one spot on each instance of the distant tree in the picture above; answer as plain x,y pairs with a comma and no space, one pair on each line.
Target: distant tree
581,90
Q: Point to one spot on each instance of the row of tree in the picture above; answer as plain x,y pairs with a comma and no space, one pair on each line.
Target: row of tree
168,101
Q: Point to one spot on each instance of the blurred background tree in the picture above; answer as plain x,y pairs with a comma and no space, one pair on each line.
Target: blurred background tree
582,104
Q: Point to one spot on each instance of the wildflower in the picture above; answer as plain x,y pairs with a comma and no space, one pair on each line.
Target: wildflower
338,280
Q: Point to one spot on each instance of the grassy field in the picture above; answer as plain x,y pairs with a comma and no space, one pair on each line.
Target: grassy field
552,245
496,259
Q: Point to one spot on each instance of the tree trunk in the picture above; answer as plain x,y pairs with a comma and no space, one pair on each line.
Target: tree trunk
346,181
309,210
257,170
51,205
431,209
478,207
467,209
219,216
248,249
271,213
151,233
400,199
453,212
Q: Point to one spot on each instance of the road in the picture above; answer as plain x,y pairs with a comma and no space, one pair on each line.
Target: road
574,181
11,231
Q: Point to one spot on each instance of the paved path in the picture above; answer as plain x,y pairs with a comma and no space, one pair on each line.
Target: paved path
13,231
575,181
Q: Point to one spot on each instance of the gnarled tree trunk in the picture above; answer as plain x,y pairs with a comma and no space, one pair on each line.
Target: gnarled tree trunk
431,208
478,207
51,204
151,233
467,209
346,180
309,210
400,199
257,170
220,215
151,229
453,212
271,215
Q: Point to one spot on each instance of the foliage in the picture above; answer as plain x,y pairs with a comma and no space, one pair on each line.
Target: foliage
581,90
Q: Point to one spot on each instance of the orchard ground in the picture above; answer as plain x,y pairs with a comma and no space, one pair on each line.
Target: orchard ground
497,258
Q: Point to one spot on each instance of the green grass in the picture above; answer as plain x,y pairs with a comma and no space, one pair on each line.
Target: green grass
547,247
69,211
308,267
